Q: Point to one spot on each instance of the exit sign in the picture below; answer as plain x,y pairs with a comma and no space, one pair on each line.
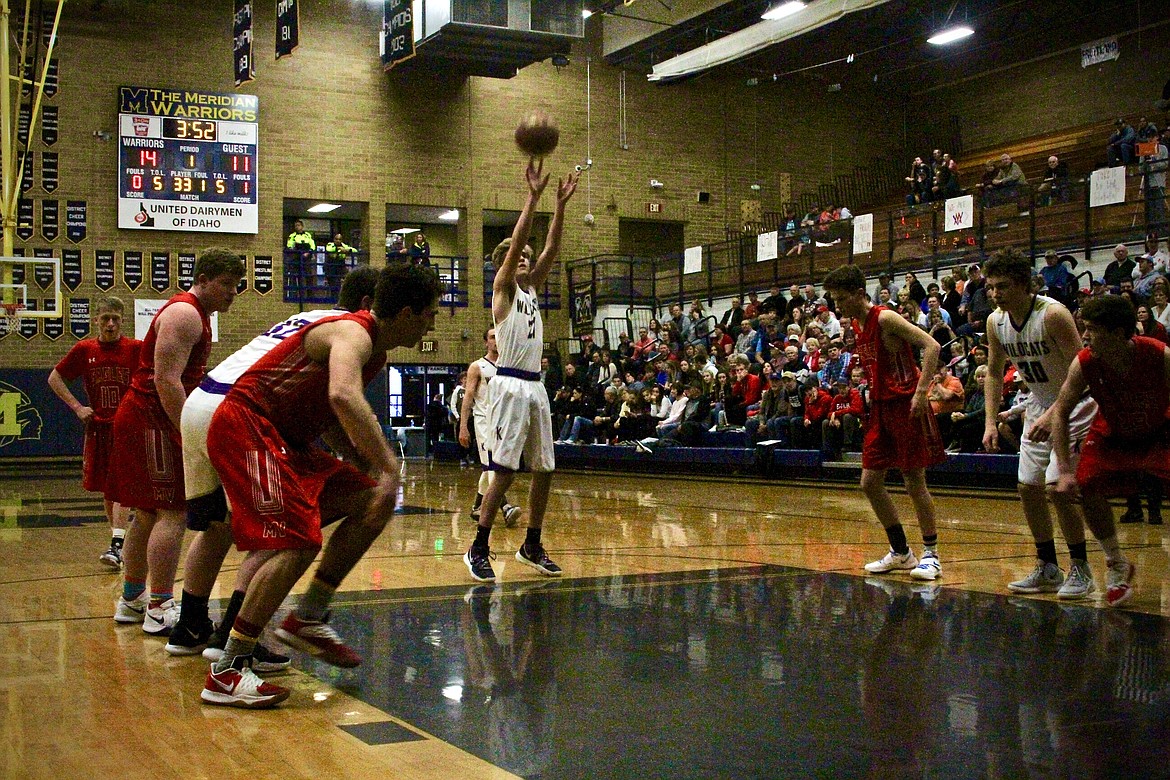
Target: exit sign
429,345
654,207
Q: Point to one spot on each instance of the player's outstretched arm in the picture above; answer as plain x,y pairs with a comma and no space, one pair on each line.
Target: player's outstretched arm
552,244
58,386
504,286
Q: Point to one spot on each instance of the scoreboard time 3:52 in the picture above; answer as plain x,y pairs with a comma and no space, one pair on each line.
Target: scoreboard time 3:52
187,160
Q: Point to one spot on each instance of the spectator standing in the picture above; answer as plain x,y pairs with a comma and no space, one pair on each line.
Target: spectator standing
300,238
1154,179
419,251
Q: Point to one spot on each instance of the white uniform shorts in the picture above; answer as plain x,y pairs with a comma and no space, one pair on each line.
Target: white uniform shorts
1037,463
198,473
482,431
521,424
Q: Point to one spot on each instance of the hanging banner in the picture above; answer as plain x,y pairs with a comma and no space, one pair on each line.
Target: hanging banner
583,308
50,219
79,317
262,274
242,285
1100,51
1107,186
766,246
42,272
54,327
242,42
22,125
76,216
960,213
52,78
50,171
24,219
46,29
186,271
71,268
103,269
396,43
29,76
50,122
132,269
862,234
29,325
26,175
160,271
288,27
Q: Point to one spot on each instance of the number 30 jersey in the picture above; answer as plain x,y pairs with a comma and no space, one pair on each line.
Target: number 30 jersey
1032,350
520,336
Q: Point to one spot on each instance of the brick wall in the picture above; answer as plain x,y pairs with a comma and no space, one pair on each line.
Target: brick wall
334,126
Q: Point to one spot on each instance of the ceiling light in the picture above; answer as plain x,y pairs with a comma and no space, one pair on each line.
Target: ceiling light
404,231
586,13
324,208
782,10
950,35
450,216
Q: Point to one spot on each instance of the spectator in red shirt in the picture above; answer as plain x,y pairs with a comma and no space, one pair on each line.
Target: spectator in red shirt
817,408
644,345
752,310
745,392
839,431
721,343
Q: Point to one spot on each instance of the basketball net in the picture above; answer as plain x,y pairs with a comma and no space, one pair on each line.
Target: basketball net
12,318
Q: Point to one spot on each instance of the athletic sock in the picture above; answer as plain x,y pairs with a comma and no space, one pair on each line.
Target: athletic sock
897,536
532,539
1077,552
316,600
481,536
241,642
158,598
930,544
118,538
231,612
193,613
132,590
1112,550
478,501
1046,551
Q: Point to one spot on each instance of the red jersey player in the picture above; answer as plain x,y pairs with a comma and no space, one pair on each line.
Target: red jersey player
282,486
1129,378
900,431
105,365
147,475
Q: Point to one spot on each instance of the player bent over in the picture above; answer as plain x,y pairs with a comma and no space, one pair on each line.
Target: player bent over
900,432
105,365
518,410
475,405
281,485
207,511
1129,378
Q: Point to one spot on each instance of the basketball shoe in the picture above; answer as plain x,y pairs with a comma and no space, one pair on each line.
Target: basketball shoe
1078,583
240,687
538,559
1118,579
319,639
893,562
264,661
160,620
928,567
511,515
184,641
1045,578
131,611
479,563
112,557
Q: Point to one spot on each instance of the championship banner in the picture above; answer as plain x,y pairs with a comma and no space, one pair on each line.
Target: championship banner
24,219
50,124
42,273
71,268
79,318
18,270
583,309
186,271
396,43
50,219
288,27
103,269
30,76
243,65
22,125
52,78
242,285
76,217
28,325
262,274
160,271
54,327
26,176
132,269
50,171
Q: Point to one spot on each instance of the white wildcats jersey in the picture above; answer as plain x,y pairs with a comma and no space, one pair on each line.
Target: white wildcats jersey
234,366
520,337
1033,351
487,370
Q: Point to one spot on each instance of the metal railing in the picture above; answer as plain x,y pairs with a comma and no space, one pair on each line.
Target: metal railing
313,277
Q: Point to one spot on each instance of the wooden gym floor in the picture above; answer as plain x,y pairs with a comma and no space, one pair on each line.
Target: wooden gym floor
704,628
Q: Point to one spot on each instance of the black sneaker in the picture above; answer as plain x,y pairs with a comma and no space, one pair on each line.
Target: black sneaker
539,560
184,641
1131,516
479,564
1155,518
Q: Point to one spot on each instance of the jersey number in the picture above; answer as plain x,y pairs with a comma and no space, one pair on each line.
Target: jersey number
285,329
1033,372
110,397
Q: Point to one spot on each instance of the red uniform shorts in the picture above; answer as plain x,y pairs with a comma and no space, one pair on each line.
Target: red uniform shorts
895,440
99,441
273,488
147,473
1112,468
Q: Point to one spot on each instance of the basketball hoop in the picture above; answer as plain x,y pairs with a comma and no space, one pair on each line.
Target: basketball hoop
12,318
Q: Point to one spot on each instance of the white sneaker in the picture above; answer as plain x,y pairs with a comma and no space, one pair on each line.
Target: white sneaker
160,620
928,567
893,562
1045,578
1079,582
512,515
131,611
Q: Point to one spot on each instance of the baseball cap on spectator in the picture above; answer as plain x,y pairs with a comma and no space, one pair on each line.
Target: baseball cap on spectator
788,375
1011,376
775,375
822,309
1084,291
1099,282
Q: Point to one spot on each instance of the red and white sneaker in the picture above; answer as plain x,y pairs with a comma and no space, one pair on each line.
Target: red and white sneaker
1118,582
241,688
319,639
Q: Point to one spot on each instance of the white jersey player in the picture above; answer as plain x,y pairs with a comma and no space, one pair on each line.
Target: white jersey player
518,409
1039,336
475,409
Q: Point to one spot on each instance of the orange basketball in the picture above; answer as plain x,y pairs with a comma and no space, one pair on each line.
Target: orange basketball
537,135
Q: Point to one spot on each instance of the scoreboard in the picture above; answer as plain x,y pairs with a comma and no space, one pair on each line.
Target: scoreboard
187,161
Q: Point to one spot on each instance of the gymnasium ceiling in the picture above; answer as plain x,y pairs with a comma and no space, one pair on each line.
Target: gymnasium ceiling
888,41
